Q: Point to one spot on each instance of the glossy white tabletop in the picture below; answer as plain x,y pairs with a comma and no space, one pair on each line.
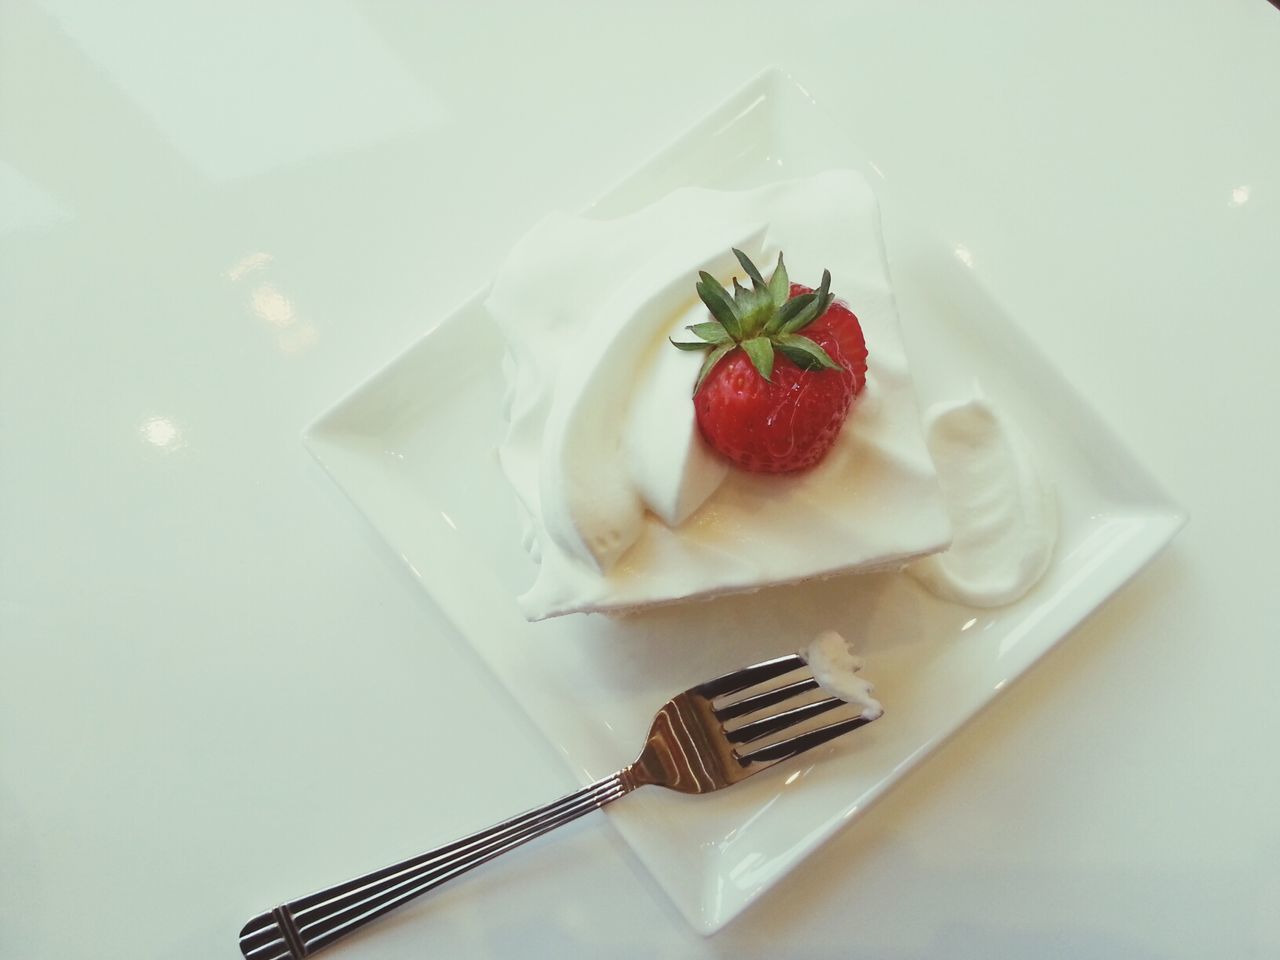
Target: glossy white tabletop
219,688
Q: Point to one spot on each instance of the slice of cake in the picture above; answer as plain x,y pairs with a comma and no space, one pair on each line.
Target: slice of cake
626,503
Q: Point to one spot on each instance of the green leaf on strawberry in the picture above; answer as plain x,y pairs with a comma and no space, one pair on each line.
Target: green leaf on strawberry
760,350
712,331
720,304
763,319
804,353
780,284
714,357
789,311
757,281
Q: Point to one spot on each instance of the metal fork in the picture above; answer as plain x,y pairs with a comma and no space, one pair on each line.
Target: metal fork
695,745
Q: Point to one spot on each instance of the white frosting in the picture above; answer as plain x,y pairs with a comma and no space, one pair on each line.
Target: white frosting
673,470
1004,516
835,667
625,505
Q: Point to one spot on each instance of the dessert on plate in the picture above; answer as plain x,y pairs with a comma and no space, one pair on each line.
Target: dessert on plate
681,426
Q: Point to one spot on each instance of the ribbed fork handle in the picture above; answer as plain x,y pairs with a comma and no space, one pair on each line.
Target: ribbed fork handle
301,927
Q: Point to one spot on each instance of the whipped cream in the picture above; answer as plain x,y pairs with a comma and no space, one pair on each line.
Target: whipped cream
624,505
1004,517
836,668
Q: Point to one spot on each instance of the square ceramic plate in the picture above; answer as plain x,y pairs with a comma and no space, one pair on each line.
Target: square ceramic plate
429,482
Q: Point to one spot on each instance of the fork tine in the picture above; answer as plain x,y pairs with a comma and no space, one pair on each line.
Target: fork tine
806,741
761,700
749,676
750,732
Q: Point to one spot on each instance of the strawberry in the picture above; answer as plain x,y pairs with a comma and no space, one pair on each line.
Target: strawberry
769,399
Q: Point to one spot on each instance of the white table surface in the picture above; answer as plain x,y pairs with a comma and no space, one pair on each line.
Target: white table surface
218,688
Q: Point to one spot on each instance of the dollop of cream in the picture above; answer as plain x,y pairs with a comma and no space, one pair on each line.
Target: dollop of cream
836,668
1003,516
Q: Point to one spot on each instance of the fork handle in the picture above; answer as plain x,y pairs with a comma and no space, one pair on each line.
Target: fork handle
300,927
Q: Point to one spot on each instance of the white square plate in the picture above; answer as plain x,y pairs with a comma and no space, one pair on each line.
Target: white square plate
414,448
